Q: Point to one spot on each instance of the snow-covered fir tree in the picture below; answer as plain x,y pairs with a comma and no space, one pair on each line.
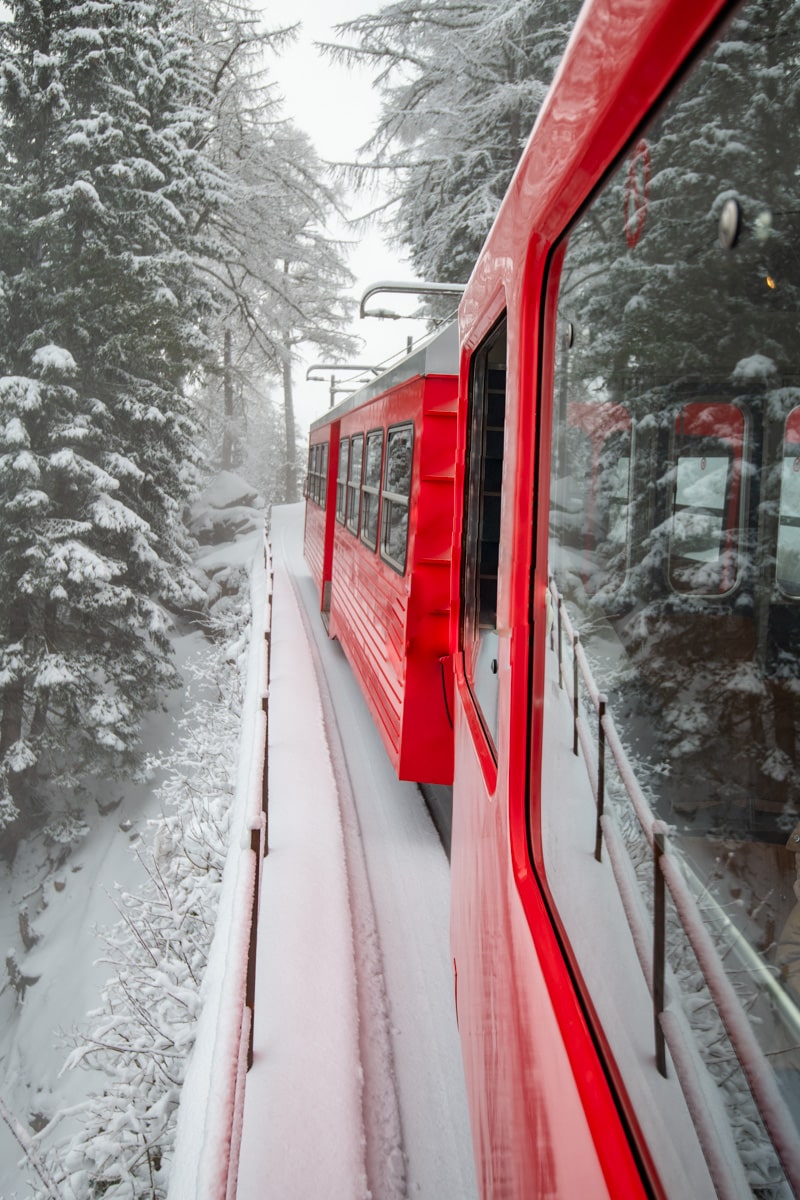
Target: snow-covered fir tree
280,274
101,327
462,82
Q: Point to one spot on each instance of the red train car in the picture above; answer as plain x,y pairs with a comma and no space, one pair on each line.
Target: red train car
625,633
378,538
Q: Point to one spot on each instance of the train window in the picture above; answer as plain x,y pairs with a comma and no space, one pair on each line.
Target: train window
396,496
370,490
316,479
354,481
323,474
787,568
674,556
341,480
482,526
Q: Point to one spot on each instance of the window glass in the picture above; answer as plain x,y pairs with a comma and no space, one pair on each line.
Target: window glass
788,564
354,481
323,474
370,492
396,495
307,490
315,450
482,526
341,479
675,538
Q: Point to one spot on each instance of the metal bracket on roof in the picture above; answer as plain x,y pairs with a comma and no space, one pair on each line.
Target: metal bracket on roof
337,367
410,289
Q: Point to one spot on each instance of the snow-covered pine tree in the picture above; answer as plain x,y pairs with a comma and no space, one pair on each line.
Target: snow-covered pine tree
462,82
279,271
100,330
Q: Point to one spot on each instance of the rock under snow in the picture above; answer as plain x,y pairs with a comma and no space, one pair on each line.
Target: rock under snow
228,509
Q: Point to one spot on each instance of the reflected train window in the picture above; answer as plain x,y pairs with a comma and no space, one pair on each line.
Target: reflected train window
787,568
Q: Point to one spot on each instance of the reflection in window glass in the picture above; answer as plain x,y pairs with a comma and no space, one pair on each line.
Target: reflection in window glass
341,479
354,481
370,492
706,511
788,558
396,494
675,512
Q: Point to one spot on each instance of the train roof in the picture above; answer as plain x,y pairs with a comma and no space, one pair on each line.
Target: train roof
436,356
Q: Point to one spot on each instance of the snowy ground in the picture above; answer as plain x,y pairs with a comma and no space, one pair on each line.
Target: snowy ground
70,903
357,1086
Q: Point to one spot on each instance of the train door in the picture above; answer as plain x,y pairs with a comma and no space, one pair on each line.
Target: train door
481,550
329,475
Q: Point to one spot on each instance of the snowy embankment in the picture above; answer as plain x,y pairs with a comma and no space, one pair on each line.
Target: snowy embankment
357,1087
72,896
210,1108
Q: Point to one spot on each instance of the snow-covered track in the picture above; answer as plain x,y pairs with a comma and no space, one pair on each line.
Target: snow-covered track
357,1085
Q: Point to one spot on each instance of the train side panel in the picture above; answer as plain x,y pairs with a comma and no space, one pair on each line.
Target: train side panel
426,752
393,624
320,491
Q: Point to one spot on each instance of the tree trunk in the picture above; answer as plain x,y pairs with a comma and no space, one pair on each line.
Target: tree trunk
14,693
227,392
290,478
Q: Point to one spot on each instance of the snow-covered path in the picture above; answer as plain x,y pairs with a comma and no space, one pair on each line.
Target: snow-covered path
357,1086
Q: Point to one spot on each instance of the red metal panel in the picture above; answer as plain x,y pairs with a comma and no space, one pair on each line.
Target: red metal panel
314,542
392,627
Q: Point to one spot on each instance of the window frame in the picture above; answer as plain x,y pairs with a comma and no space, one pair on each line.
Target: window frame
480,554
392,501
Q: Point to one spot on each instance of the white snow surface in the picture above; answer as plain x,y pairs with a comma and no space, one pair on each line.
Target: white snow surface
79,899
357,1087
70,899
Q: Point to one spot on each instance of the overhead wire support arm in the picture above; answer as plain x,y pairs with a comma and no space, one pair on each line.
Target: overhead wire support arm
408,289
338,367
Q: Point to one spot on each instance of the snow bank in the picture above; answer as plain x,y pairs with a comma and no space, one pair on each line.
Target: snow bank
205,1145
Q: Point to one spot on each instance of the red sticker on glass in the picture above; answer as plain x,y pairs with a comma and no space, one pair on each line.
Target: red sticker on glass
637,188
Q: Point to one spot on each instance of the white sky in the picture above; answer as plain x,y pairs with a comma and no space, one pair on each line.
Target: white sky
337,108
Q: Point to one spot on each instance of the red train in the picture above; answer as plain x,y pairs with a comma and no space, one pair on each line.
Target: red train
378,539
624,638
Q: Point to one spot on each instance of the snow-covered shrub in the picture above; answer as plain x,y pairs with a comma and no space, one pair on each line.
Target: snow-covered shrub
141,1036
